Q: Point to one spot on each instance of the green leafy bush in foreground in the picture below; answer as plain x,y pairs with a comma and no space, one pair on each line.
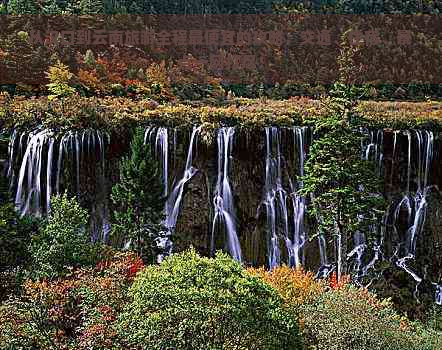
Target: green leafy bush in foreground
63,242
191,302
351,318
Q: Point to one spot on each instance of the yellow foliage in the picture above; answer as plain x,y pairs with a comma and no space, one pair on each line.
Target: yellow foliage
296,286
59,73
59,77
157,73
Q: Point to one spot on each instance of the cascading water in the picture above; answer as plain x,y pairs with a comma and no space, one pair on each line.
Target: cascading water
438,294
42,163
29,191
223,199
173,204
412,204
274,192
159,137
297,241
276,198
416,203
41,168
372,151
161,142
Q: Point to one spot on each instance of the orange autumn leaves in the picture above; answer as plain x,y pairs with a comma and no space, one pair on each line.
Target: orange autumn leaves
297,286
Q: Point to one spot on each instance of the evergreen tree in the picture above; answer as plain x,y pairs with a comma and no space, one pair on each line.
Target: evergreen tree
139,202
92,6
346,191
21,7
51,8
134,8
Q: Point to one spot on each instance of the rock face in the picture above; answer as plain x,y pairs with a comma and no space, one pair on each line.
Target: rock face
250,187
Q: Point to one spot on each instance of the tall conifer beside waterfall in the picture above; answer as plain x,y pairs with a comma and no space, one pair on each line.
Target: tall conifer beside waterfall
346,190
138,199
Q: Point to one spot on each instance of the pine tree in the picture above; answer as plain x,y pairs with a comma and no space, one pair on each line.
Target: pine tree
89,58
347,194
21,7
92,6
138,198
134,8
51,8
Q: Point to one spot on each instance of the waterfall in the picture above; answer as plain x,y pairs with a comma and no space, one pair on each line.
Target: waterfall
162,144
160,138
103,202
296,243
438,294
42,165
223,199
28,195
414,204
274,192
11,152
372,151
173,203
276,198
49,174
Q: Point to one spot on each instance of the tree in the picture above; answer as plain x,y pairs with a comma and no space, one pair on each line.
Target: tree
63,241
51,7
60,78
92,6
21,7
139,201
191,302
346,193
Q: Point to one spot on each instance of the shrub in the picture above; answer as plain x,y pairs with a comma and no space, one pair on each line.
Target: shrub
296,286
15,236
76,312
336,315
63,242
351,318
435,317
192,302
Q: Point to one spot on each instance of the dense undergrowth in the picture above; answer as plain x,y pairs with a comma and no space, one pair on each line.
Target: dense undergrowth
192,302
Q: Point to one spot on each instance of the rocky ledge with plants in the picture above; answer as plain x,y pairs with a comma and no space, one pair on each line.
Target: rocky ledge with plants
118,113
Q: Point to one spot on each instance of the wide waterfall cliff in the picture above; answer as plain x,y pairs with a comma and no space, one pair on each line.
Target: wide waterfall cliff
236,189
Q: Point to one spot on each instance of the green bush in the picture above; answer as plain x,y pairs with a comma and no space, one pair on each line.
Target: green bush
15,236
63,242
350,318
192,302
435,317
13,239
